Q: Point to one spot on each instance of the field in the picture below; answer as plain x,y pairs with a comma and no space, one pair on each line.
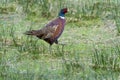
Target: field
89,46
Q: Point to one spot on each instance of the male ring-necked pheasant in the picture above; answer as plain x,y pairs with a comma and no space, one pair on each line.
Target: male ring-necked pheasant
52,31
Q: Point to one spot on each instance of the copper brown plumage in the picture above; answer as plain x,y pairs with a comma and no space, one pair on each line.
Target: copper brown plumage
52,31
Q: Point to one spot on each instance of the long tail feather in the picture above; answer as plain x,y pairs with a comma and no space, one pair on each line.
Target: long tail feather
32,32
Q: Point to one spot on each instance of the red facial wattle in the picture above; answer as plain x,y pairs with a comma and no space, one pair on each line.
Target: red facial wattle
65,10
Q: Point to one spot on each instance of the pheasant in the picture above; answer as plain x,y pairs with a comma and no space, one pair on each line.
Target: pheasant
53,30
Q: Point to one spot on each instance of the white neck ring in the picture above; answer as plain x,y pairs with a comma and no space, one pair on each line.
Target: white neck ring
62,17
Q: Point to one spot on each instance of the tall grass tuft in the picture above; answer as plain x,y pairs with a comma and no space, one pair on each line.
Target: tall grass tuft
117,17
106,58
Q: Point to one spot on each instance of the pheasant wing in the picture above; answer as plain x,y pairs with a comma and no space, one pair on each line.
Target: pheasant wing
48,32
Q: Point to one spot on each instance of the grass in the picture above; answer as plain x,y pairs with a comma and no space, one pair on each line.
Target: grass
91,49
107,58
24,57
